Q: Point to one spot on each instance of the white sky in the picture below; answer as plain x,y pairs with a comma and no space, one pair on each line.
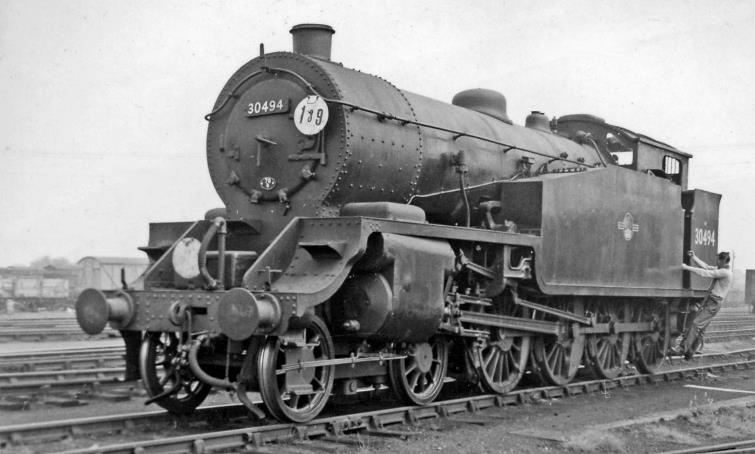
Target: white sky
101,118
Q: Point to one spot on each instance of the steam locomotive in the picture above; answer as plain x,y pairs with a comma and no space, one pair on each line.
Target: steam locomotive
374,237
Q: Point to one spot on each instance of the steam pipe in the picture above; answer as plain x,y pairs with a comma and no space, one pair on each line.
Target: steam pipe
196,369
221,253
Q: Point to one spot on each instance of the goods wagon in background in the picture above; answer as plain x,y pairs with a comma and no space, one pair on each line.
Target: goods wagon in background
104,273
54,288
30,289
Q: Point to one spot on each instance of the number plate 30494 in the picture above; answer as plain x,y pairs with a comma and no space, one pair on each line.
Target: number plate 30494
267,107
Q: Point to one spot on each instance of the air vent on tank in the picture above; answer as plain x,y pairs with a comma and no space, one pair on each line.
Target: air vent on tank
538,120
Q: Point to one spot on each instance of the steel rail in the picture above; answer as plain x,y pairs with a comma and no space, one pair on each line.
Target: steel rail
35,433
40,334
24,382
64,362
731,447
728,335
59,352
62,359
335,427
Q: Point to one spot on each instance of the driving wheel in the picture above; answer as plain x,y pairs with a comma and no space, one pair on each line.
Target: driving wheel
291,389
650,346
608,352
503,357
557,358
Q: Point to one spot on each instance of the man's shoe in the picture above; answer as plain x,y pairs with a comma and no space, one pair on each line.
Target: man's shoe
688,355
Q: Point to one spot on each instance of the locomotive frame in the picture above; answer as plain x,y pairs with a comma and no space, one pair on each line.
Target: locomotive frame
404,241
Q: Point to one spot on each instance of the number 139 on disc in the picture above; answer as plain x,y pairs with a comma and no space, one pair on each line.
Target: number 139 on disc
311,115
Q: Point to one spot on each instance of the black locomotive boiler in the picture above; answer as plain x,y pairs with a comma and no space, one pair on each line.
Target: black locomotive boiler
374,237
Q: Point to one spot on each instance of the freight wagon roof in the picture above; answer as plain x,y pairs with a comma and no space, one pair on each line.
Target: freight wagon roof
116,260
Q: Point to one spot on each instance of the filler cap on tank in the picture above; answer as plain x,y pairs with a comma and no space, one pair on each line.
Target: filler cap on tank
538,120
488,102
313,40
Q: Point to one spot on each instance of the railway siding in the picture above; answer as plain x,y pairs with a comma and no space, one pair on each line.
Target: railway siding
347,429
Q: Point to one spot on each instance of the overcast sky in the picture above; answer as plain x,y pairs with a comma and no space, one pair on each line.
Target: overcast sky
101,118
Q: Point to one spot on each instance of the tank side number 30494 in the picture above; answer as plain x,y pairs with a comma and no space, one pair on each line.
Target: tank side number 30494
705,237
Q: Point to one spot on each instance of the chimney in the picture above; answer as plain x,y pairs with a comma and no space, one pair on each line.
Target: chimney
313,40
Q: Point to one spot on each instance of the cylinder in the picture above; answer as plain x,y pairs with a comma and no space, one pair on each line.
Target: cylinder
94,310
313,40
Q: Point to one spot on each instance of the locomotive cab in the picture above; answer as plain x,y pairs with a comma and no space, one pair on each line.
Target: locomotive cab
629,149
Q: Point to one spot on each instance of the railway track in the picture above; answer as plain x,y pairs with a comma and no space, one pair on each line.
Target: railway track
726,335
63,377
346,429
733,447
29,375
62,359
65,388
46,332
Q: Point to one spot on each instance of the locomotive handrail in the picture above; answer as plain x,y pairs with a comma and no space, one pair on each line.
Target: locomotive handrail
457,134
209,116
382,116
218,226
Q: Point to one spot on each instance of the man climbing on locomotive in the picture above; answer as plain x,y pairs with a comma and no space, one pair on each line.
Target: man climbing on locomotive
719,288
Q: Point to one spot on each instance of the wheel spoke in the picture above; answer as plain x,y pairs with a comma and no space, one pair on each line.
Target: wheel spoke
486,358
415,375
512,365
494,367
501,368
293,400
551,354
604,352
555,357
